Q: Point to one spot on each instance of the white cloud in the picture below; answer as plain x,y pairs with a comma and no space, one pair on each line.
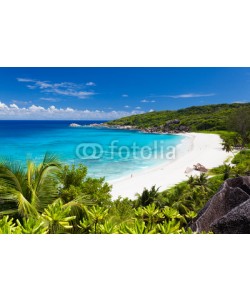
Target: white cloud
125,95
71,92
49,99
69,109
190,95
126,106
21,102
14,106
36,108
24,80
91,83
151,110
31,87
34,112
138,107
148,101
62,88
241,101
3,106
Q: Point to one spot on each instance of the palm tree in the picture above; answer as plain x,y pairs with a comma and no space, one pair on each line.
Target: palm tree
26,193
227,169
200,182
237,141
29,191
148,196
227,146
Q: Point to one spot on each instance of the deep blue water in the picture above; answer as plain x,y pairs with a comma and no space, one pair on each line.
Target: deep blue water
22,140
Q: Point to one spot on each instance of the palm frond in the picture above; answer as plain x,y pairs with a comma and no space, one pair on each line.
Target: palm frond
12,176
8,212
45,182
51,159
25,208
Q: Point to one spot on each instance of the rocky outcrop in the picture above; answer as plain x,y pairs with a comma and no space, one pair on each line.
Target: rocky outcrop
75,125
236,221
183,128
173,126
228,211
171,122
152,130
199,167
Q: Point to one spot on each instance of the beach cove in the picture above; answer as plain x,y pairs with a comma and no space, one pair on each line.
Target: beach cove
200,148
23,140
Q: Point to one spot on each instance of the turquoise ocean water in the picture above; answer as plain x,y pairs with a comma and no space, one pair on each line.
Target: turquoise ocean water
132,150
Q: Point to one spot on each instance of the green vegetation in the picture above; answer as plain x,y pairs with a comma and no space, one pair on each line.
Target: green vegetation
239,121
197,118
49,197
32,204
240,166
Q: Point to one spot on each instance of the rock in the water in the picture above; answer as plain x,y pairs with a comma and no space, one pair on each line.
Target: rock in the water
223,213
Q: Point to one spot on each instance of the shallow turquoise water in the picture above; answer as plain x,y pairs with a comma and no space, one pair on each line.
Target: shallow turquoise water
132,150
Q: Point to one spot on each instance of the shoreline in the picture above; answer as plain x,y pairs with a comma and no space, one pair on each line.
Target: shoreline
181,147
200,148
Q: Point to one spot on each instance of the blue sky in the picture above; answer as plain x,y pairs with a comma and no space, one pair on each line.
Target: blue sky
109,93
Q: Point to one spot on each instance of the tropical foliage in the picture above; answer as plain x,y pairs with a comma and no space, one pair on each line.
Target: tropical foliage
30,204
197,118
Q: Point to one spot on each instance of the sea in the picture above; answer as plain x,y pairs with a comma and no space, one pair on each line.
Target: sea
109,153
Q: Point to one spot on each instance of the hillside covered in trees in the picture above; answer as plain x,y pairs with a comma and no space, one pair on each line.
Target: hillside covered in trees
196,118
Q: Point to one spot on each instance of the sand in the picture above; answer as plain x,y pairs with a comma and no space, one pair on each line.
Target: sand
205,149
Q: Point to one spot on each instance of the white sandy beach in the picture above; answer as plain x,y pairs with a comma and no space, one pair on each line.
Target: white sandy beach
205,149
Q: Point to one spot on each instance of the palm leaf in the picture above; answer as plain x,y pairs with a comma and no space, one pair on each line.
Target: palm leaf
12,176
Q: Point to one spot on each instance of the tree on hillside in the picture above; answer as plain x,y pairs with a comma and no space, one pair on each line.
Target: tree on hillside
239,121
